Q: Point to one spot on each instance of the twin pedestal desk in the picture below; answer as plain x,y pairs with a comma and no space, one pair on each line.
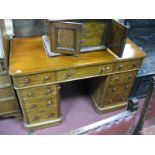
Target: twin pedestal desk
37,79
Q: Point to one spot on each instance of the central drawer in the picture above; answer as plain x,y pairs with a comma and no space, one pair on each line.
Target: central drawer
83,72
32,80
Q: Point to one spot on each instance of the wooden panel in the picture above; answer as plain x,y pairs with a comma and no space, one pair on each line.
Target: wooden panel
129,65
8,106
83,72
93,33
6,92
4,79
30,80
116,37
65,37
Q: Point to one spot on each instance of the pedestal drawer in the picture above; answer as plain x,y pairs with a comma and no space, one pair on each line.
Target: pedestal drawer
8,105
6,92
83,72
42,115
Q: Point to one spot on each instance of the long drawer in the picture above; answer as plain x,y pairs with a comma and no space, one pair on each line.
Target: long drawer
8,105
83,72
32,80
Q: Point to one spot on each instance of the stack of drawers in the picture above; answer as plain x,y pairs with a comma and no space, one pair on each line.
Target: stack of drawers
112,93
8,102
40,100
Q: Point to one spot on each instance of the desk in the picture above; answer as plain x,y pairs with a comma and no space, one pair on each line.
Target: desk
37,78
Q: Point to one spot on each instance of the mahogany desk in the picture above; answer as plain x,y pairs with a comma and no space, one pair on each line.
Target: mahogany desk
37,77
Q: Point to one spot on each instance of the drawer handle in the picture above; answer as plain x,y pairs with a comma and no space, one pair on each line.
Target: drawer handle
49,91
134,65
69,74
33,106
30,94
35,118
114,89
46,78
121,66
104,69
50,115
127,87
117,78
49,103
27,80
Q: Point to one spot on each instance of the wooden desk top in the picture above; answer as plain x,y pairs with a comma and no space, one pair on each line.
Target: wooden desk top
27,56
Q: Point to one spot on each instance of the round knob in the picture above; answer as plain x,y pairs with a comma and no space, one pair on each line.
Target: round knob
46,77
50,115
48,91
127,87
121,66
49,103
130,76
114,89
30,94
134,65
107,68
110,101
33,106
27,80
69,74
117,78
103,69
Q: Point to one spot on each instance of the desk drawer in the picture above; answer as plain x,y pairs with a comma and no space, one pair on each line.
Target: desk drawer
8,105
6,92
42,115
123,77
122,66
37,79
4,79
42,103
83,72
39,92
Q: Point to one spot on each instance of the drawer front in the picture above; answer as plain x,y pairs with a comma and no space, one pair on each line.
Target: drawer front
42,103
42,115
6,92
123,77
4,79
39,92
83,72
122,66
2,66
8,106
37,79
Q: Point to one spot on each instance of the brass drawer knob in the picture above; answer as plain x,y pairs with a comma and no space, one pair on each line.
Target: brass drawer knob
114,89
49,103
127,87
103,69
110,101
46,78
69,74
50,115
27,80
121,66
33,106
134,65
117,78
30,94
48,91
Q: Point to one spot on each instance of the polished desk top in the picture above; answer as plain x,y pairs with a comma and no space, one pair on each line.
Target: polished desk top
27,56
